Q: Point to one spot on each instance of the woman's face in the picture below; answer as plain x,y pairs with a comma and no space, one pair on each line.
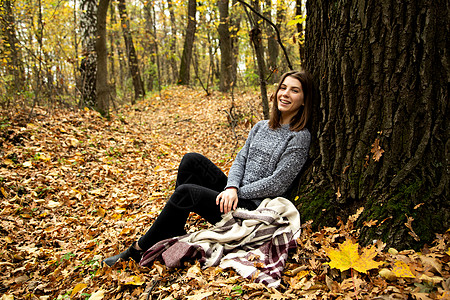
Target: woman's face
289,98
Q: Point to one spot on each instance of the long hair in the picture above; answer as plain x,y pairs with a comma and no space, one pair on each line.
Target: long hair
303,116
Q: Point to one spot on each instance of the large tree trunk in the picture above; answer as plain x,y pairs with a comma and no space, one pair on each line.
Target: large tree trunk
133,63
382,73
226,59
88,66
184,75
102,59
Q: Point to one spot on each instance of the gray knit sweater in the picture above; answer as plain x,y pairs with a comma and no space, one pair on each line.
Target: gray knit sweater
269,161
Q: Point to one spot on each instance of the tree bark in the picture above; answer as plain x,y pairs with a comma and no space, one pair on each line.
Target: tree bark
133,62
102,59
226,57
173,42
256,39
236,25
184,75
272,44
301,35
382,73
88,66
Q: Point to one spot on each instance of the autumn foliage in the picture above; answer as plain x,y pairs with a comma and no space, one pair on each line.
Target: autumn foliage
75,187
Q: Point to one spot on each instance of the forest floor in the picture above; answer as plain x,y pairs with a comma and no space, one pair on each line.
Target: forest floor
76,188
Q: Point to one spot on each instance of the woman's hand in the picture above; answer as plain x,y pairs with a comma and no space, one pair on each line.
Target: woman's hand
228,200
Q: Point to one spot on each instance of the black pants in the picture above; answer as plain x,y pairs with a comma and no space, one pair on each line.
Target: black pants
199,181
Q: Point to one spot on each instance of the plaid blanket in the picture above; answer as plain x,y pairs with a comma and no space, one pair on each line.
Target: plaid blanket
254,243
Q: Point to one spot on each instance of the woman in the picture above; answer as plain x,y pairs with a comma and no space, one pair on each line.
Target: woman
273,155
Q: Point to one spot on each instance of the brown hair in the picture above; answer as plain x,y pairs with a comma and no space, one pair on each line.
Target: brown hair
303,116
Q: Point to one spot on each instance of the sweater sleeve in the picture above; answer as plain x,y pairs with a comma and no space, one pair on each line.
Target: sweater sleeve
238,167
289,165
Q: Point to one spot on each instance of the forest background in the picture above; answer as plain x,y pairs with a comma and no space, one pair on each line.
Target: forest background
380,126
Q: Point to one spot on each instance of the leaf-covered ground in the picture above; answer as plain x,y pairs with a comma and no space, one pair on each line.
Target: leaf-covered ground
75,188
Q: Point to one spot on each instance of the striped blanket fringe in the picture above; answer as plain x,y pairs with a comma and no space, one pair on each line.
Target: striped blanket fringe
254,243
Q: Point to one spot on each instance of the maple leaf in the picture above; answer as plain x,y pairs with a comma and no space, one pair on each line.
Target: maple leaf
347,257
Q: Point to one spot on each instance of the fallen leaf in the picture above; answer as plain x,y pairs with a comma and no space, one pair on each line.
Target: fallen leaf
348,257
199,296
401,269
80,286
98,295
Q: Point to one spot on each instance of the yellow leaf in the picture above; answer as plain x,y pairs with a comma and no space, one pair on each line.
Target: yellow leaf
401,269
448,252
77,288
4,192
7,297
8,162
8,239
347,257
366,262
133,280
98,295
101,212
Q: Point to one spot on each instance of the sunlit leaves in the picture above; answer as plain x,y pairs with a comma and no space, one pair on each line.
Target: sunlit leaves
347,257
76,202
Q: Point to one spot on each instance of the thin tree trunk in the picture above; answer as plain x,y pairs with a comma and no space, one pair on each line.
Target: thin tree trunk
184,75
226,59
301,35
133,63
173,43
102,59
112,52
256,39
272,44
236,25
88,66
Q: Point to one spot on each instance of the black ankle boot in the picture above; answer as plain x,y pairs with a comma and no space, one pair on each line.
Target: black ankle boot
131,252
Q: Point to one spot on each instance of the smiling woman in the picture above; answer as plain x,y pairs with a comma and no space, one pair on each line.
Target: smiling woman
273,155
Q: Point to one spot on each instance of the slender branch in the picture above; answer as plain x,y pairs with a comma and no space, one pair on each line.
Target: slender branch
274,26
